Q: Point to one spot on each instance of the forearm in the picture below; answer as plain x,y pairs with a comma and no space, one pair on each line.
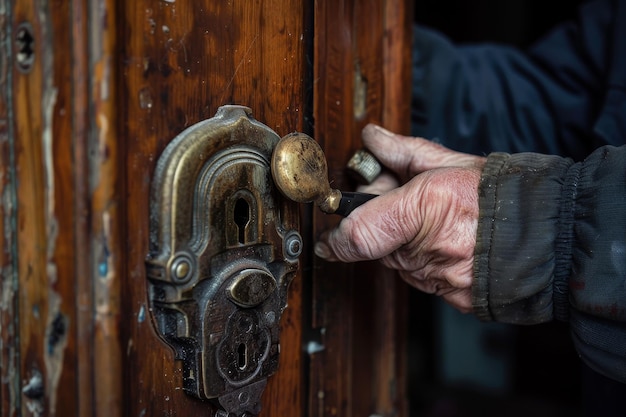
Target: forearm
551,244
515,260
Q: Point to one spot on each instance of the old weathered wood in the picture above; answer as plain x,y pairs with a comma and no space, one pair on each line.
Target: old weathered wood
38,312
362,51
9,359
81,127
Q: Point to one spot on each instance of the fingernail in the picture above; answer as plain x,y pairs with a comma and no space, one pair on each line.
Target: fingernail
322,250
383,131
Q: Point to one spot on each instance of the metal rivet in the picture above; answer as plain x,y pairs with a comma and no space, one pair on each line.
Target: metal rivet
182,269
244,397
293,245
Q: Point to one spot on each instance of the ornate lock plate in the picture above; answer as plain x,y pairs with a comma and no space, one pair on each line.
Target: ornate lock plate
224,246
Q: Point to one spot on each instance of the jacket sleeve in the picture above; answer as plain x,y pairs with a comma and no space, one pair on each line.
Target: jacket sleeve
551,244
487,97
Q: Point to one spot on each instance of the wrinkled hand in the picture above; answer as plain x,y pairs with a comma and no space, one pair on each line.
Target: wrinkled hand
425,228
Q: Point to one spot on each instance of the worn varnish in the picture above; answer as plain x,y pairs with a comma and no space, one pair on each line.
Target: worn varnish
82,124
362,51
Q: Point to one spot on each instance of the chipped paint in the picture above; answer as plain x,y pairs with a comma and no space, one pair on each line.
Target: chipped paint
105,82
52,225
34,392
141,316
9,352
55,340
104,309
101,153
55,343
10,373
145,98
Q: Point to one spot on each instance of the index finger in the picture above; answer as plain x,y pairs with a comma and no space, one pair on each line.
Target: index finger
372,231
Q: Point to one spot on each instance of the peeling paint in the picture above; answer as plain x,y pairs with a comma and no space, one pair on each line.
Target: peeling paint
34,391
103,268
103,307
55,343
10,374
49,101
57,332
9,352
106,79
141,316
55,339
98,151
145,98
129,347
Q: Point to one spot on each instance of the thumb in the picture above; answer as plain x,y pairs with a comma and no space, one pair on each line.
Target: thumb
408,156
365,234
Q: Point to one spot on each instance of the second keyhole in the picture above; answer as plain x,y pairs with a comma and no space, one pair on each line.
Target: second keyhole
242,356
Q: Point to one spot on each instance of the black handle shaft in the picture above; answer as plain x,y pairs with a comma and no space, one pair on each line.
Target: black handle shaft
351,200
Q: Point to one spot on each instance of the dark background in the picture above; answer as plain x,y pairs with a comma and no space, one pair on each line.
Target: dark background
458,366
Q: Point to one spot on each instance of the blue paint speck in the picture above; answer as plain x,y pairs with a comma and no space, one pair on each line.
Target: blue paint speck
142,314
103,269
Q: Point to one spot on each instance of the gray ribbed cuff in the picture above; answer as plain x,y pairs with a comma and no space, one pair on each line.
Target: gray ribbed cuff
487,194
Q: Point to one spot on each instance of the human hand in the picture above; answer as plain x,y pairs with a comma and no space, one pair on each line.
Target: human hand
425,228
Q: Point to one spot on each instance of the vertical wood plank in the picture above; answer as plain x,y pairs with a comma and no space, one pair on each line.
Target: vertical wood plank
83,278
361,51
42,139
59,217
106,207
9,323
43,314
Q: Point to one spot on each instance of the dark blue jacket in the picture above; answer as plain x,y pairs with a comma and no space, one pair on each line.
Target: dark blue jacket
551,240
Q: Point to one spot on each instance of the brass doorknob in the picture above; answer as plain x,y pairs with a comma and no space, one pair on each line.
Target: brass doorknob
300,172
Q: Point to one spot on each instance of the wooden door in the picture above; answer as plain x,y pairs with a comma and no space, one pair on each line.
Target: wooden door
91,92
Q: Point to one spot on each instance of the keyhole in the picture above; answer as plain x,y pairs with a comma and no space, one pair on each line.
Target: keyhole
242,356
25,43
242,217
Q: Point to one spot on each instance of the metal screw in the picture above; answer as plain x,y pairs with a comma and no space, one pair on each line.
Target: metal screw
244,397
293,245
25,46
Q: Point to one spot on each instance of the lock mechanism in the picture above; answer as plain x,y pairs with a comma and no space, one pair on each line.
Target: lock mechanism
224,246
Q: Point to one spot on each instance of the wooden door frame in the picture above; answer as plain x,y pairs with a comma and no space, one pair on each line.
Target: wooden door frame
362,53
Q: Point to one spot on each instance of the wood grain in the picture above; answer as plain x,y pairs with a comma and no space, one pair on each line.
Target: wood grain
358,314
